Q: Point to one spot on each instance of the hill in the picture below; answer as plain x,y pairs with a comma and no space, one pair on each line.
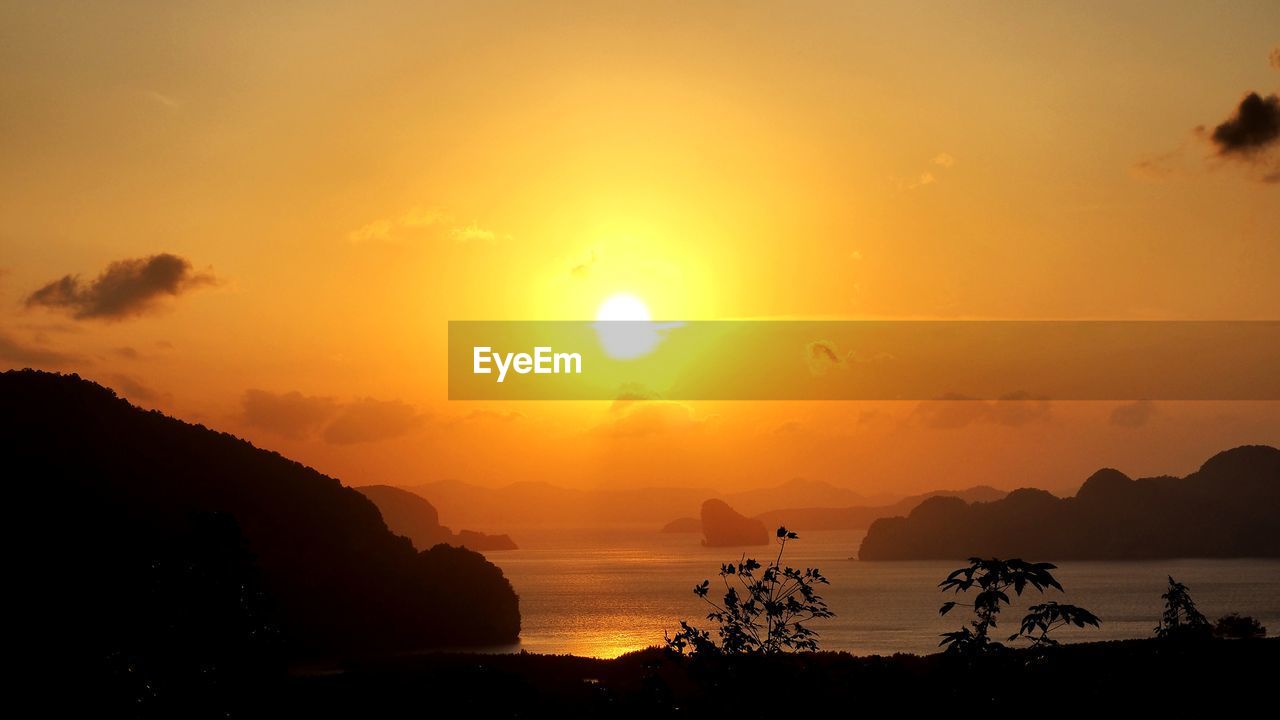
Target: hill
540,504
826,517
121,508
1227,508
722,526
414,517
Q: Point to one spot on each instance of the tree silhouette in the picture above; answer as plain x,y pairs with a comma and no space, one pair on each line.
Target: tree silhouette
994,578
1238,627
1181,618
762,614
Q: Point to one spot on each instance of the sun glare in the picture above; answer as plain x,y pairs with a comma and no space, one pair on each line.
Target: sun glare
622,306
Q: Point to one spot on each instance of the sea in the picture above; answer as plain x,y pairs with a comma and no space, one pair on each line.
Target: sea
605,592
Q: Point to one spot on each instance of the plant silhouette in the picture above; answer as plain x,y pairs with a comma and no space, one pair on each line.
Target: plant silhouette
1181,618
1238,627
994,578
758,614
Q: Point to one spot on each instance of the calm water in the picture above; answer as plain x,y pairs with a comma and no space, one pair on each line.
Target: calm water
603,593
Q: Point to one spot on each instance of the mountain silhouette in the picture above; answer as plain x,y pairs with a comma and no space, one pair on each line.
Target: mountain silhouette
1227,508
108,493
722,526
830,517
414,517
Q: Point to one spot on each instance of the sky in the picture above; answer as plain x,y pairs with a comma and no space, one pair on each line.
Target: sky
261,216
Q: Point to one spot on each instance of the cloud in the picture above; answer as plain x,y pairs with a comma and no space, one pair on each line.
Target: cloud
291,415
368,420
126,352
954,411
415,218
16,352
1018,408
1254,127
127,288
418,219
629,394
931,175
134,389
1134,414
926,178
583,269
1275,57
823,355
474,233
305,417
1157,166
637,412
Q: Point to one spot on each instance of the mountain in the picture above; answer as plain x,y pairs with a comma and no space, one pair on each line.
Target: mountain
797,492
414,517
1227,508
722,526
112,508
540,504
861,517
683,525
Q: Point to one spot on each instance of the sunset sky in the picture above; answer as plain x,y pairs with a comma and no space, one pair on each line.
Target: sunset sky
300,196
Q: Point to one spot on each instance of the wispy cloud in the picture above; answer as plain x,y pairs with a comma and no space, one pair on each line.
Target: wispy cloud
419,220
304,417
940,163
19,353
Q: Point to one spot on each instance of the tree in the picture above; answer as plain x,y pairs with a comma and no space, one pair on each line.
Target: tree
994,578
1181,618
758,614
1238,627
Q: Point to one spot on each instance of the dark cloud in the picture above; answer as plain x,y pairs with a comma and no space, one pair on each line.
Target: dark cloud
368,420
292,415
954,411
125,289
1254,127
823,355
16,352
127,352
1134,414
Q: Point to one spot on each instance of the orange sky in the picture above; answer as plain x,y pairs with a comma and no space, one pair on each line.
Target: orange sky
343,180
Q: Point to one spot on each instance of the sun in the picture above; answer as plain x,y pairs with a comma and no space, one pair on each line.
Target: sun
622,306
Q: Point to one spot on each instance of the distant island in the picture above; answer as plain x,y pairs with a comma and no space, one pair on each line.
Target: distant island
136,527
539,504
1227,508
722,526
414,517
832,517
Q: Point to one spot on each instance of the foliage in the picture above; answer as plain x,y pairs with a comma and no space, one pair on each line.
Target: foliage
1238,627
761,613
994,578
1181,618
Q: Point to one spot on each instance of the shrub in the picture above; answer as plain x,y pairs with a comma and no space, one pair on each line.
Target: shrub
759,613
994,578
1238,627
